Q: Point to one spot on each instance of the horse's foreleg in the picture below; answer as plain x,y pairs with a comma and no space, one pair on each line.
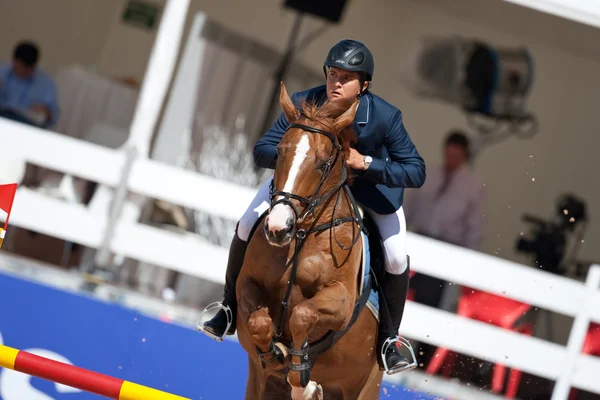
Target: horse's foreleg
331,308
259,324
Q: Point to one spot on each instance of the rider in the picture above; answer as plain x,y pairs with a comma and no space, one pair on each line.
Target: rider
385,161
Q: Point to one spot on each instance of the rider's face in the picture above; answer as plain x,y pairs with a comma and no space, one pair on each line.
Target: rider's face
342,85
454,156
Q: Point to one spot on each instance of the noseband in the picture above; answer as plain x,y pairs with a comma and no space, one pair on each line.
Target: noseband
312,202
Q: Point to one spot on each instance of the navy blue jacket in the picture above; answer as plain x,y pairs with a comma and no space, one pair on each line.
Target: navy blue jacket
381,134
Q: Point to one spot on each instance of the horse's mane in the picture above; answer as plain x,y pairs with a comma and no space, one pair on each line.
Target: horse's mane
324,117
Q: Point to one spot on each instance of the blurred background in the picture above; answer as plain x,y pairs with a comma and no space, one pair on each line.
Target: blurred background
506,91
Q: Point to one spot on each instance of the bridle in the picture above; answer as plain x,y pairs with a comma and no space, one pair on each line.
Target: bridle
310,204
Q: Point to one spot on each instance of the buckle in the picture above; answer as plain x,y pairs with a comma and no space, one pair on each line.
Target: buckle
211,307
395,341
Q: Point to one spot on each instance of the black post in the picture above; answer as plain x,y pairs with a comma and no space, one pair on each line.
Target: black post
281,71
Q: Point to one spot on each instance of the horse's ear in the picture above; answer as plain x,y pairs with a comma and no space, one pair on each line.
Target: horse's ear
289,109
346,118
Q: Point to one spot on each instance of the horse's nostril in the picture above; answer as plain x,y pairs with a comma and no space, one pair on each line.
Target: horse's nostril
289,228
282,234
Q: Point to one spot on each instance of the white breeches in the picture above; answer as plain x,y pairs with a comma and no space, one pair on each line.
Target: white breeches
256,208
392,228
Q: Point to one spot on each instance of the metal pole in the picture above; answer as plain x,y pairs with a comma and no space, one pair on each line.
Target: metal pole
281,71
158,74
154,89
103,255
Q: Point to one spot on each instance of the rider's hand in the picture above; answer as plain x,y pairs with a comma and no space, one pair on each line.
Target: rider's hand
355,160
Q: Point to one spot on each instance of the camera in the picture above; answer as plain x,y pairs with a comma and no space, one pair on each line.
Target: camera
548,240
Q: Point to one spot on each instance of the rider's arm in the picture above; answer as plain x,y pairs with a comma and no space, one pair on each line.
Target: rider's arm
265,150
405,168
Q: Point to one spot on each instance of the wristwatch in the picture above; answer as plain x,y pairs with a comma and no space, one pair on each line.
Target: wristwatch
367,160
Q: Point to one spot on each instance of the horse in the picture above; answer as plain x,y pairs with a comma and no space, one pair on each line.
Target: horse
302,289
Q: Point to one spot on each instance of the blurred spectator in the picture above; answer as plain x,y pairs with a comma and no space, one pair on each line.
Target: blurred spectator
449,207
27,94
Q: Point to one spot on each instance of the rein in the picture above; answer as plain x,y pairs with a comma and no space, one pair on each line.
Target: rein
310,204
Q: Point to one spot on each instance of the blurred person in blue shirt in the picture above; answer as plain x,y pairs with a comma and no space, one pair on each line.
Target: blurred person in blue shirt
27,94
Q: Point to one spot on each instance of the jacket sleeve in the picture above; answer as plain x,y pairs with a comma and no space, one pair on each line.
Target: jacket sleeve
265,149
405,168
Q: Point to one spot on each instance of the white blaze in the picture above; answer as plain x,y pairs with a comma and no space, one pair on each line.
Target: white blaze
280,214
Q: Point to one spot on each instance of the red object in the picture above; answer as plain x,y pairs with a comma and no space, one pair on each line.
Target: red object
7,197
591,345
69,375
495,310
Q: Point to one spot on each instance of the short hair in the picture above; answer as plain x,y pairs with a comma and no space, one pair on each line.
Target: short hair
27,52
458,138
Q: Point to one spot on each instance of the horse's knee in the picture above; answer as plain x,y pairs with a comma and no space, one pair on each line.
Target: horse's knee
260,325
303,318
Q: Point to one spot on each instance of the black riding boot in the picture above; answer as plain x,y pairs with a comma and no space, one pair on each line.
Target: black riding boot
218,324
395,290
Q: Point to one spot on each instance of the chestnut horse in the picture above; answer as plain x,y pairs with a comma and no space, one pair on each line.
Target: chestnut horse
301,314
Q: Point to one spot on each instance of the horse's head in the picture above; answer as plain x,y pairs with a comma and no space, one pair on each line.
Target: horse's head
310,164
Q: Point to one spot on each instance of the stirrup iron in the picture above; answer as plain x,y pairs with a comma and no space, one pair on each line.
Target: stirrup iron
211,307
393,342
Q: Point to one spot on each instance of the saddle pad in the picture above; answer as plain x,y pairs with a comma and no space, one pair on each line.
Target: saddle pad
373,303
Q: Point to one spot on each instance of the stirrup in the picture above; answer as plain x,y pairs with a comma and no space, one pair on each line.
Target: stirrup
215,306
394,341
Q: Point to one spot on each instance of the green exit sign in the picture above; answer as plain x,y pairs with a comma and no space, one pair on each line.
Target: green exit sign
141,14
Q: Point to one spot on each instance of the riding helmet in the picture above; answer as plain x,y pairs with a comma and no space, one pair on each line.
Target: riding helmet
351,55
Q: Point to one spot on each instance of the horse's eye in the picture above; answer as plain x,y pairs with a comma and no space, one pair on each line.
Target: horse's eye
322,165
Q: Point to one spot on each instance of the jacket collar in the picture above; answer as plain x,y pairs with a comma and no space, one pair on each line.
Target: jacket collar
363,111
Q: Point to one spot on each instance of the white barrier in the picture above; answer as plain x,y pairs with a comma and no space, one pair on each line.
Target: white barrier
583,11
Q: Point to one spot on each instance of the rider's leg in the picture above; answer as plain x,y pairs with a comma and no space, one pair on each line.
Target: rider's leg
218,324
394,284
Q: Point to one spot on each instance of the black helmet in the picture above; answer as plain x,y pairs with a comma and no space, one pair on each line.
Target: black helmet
351,55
